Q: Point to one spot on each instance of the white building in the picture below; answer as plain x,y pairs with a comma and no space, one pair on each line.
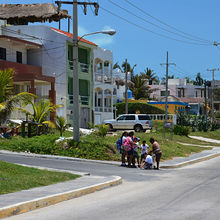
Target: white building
177,88
103,83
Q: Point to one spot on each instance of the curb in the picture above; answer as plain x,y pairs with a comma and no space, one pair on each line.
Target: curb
60,157
191,161
56,198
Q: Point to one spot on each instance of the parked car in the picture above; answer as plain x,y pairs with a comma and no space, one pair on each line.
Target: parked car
137,122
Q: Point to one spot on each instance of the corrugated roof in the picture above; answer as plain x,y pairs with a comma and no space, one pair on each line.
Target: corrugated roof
71,36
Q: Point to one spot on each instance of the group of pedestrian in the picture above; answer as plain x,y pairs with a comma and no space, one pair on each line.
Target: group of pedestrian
129,145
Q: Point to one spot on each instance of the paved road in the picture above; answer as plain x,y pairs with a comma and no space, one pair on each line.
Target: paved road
190,193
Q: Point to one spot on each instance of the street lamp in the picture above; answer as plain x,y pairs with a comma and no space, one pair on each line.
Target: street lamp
108,32
76,115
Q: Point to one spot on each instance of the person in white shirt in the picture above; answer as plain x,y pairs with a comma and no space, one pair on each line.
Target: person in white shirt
148,162
144,150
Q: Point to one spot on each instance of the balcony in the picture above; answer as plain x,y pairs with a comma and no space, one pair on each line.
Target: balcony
98,109
84,100
82,66
21,70
98,77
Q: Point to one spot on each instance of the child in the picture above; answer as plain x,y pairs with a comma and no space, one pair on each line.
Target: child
148,162
144,151
135,155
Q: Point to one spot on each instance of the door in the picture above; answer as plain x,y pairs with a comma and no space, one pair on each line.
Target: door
85,117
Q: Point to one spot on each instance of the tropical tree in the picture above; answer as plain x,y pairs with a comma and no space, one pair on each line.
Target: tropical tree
149,75
9,101
61,124
140,90
199,80
123,67
40,111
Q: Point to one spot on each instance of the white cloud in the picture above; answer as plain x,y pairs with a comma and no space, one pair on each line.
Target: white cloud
99,39
82,30
103,40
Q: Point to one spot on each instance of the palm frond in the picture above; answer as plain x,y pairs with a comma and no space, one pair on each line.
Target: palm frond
49,123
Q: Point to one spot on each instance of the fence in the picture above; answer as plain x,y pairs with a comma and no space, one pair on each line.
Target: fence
161,117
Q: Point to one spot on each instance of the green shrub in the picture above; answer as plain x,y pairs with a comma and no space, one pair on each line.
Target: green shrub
181,130
143,108
102,130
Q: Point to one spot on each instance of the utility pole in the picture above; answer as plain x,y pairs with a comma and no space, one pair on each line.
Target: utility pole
126,87
205,94
212,94
166,102
76,106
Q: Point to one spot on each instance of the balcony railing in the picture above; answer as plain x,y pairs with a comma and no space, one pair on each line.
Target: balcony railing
82,66
98,109
107,109
107,79
84,100
98,77
20,68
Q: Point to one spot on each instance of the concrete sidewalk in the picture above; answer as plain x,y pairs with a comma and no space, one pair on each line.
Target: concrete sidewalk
28,200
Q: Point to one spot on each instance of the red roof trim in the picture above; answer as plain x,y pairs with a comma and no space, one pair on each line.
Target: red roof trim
20,40
71,36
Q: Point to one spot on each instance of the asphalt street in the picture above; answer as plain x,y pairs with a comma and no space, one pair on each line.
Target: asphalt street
190,193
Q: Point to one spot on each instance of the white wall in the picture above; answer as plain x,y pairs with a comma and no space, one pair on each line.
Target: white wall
11,49
52,57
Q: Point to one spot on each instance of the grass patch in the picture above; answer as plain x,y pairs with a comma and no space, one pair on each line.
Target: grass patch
15,178
209,134
99,148
171,148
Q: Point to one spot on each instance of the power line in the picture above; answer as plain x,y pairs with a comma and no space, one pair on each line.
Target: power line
146,21
162,22
31,36
148,30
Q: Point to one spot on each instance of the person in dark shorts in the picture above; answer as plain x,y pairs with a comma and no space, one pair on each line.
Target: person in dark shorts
136,155
129,148
156,150
122,150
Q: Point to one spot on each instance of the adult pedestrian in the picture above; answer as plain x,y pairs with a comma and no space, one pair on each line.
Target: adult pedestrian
156,150
129,147
122,149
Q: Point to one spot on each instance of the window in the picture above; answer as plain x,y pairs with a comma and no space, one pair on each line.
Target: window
144,117
163,93
70,53
2,53
121,118
70,85
129,117
83,56
19,56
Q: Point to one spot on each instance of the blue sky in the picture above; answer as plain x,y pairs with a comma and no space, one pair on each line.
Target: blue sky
200,18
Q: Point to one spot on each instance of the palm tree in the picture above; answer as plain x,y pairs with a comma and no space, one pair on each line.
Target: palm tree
140,90
40,111
61,124
9,101
199,80
149,75
123,67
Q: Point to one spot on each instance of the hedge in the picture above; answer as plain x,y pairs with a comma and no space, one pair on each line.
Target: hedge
133,107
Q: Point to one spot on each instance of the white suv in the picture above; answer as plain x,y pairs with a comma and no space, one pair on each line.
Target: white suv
137,122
